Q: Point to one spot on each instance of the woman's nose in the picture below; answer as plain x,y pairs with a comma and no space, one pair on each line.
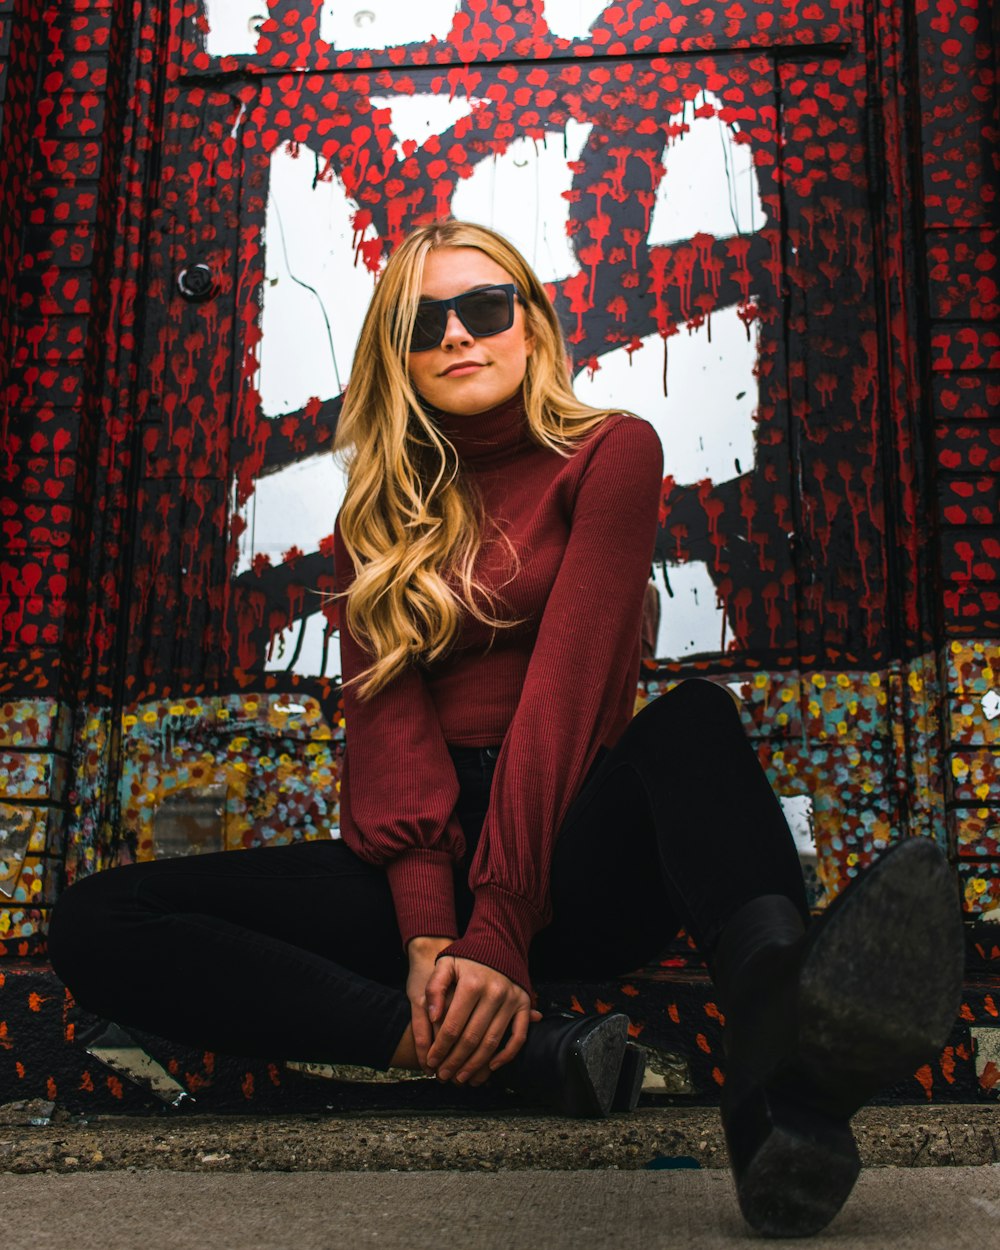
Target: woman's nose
454,331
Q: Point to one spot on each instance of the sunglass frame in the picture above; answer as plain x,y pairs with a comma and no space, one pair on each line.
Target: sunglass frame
444,306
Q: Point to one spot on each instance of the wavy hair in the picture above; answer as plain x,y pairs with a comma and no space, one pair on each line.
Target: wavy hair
410,521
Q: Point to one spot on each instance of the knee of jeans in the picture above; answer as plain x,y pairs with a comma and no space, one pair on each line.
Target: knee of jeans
698,699
79,929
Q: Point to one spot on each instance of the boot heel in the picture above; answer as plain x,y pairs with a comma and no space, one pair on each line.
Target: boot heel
596,1064
630,1078
794,1168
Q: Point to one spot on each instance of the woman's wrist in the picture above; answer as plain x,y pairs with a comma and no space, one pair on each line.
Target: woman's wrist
427,945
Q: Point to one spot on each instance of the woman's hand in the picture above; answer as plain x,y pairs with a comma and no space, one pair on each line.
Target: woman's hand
471,1008
422,952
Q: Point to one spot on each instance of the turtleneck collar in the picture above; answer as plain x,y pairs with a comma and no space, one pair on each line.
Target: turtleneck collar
486,437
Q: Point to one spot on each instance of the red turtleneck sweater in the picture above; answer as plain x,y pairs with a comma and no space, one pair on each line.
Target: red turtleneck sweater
551,690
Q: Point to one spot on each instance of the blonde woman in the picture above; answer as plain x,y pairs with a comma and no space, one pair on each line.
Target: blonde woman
504,816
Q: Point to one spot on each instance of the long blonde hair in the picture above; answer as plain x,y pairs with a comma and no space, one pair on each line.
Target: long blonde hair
410,522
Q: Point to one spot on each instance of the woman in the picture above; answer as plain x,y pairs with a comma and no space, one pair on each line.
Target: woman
504,817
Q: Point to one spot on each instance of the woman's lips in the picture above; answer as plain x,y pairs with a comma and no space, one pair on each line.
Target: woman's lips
460,370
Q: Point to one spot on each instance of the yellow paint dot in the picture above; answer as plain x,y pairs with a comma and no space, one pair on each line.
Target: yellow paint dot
852,707
36,886
129,720
813,708
223,713
239,744
842,726
978,884
177,709
916,683
983,813
875,680
843,681
250,706
982,792
241,765
150,717
852,859
285,758
867,787
787,694
819,681
264,762
959,768
760,680
782,718
313,748
956,648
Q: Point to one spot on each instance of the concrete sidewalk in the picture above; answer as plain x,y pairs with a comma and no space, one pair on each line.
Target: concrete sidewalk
890,1209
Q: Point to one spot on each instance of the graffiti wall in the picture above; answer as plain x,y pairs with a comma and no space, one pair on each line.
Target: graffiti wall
768,228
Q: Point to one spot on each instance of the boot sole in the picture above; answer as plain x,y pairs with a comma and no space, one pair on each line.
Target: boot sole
595,1063
881,985
879,990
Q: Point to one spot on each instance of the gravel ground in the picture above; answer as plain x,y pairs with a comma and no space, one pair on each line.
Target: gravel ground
36,1137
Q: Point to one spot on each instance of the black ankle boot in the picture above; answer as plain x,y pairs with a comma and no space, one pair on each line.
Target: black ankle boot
817,1024
570,1063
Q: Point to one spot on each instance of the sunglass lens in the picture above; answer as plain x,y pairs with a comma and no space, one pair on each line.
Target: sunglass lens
428,329
486,312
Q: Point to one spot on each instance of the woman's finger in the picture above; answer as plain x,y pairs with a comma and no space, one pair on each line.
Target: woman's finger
447,1033
472,1037
438,985
423,1034
478,1063
518,1036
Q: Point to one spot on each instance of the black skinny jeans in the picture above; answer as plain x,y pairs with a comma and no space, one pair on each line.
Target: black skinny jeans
293,952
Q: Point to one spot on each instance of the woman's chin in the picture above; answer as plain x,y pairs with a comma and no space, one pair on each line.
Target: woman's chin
471,400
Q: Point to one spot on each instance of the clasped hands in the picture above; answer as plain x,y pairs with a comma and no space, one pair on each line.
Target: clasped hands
460,1013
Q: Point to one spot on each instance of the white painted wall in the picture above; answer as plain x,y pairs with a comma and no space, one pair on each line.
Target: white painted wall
232,24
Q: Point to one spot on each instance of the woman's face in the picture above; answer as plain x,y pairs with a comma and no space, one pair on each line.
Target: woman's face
464,374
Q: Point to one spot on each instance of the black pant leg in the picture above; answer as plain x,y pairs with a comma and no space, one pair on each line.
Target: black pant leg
289,952
676,827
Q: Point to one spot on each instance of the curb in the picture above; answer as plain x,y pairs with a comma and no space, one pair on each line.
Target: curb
650,1138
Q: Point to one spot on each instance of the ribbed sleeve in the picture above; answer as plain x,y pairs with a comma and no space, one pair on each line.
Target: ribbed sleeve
398,787
583,665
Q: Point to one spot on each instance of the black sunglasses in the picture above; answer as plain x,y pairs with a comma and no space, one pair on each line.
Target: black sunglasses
484,312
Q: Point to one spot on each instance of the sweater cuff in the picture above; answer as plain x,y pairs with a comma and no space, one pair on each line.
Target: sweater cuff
423,893
499,934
